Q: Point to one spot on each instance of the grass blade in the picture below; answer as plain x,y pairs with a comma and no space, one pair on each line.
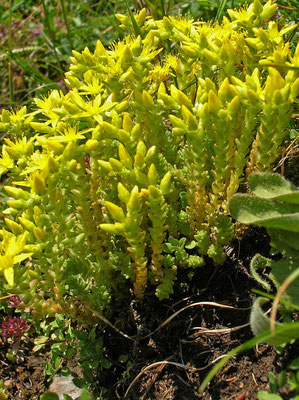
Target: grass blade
10,73
135,25
220,10
162,7
51,33
69,37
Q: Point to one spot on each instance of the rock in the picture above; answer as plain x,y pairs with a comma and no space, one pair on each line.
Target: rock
64,384
264,379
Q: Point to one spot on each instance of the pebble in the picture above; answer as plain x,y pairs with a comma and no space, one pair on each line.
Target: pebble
264,379
64,384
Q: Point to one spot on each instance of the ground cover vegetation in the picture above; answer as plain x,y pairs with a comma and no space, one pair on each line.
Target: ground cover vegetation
119,177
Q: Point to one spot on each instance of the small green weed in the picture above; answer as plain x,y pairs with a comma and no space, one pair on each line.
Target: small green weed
284,381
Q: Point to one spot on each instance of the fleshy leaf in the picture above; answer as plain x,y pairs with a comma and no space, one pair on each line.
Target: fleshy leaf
9,275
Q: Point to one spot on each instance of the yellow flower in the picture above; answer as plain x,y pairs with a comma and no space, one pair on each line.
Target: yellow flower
11,249
6,162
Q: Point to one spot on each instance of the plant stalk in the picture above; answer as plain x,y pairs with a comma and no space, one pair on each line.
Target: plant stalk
69,37
51,33
162,7
10,73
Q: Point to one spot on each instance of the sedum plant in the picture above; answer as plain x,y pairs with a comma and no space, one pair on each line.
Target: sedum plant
128,175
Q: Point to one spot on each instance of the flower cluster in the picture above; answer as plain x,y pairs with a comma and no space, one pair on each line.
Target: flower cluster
14,328
14,301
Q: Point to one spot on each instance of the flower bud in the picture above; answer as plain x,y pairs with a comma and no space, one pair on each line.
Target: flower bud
177,122
17,204
38,184
203,41
39,233
189,118
5,116
133,202
150,153
111,130
137,47
110,228
167,24
138,160
87,57
295,88
141,16
13,153
141,147
120,107
77,56
213,102
54,145
16,193
136,132
72,81
152,175
127,122
210,56
257,7
13,226
52,164
92,144
268,10
42,128
72,165
69,151
127,56
28,225
79,238
141,177
154,192
105,164
123,193
165,183
233,106
147,99
125,157
115,211
115,165
100,49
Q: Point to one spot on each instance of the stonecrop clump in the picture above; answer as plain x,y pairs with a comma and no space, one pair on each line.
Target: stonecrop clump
128,175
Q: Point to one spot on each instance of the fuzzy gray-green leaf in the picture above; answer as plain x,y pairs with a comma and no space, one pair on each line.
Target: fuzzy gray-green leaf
263,212
273,186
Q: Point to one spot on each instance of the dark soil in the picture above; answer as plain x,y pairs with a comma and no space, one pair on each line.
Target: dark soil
25,378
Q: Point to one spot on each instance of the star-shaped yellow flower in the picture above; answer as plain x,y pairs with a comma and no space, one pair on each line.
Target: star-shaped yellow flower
11,249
